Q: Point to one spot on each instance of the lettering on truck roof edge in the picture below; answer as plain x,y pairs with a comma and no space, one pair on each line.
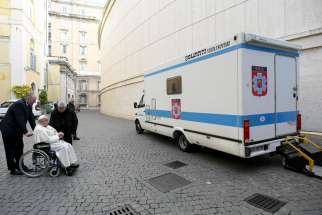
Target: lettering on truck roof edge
207,51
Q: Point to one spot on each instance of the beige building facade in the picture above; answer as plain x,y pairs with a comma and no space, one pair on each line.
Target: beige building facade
23,45
87,90
61,80
73,32
137,36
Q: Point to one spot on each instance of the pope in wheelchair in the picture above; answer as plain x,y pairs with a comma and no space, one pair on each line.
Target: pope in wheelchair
50,152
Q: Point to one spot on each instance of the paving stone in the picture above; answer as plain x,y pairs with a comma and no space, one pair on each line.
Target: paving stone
115,164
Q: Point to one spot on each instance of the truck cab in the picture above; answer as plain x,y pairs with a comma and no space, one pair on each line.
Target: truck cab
139,115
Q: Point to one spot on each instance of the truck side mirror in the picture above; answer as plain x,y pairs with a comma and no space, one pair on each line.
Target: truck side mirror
135,105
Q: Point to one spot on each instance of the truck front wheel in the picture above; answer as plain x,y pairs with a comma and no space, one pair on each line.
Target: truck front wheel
183,143
138,128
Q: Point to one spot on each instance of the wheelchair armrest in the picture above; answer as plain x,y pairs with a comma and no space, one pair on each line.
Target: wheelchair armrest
41,145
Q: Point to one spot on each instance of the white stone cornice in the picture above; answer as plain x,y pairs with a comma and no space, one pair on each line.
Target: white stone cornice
4,38
303,34
97,6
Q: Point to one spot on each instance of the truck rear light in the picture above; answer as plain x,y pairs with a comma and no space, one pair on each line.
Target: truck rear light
246,131
299,122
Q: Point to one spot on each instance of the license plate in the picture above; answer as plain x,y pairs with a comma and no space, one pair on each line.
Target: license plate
257,148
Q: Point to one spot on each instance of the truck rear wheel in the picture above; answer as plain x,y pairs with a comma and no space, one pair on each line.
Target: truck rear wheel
183,143
138,128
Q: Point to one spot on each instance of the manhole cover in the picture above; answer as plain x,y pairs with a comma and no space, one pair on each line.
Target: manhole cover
266,203
168,182
175,164
124,210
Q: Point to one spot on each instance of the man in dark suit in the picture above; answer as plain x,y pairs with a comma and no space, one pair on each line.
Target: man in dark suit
64,120
71,106
13,127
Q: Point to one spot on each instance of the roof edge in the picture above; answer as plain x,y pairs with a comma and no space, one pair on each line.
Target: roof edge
107,9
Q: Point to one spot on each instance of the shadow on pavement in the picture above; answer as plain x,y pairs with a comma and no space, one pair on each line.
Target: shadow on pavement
220,158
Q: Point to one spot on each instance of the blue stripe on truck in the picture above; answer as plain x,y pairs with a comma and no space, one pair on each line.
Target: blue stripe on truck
230,120
223,51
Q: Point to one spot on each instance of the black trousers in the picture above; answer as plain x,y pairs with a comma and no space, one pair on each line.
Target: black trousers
76,125
13,146
68,138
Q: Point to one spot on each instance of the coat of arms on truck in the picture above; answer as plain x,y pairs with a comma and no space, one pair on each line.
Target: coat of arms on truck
176,108
259,80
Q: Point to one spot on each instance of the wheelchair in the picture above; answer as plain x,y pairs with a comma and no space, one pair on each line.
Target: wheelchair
40,160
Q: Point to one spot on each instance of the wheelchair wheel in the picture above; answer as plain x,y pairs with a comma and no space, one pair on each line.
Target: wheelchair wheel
54,172
34,163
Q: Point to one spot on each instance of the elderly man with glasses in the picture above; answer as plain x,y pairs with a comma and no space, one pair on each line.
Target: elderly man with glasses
64,120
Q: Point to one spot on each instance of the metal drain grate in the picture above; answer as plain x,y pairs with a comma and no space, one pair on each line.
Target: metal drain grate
175,164
264,202
168,182
124,210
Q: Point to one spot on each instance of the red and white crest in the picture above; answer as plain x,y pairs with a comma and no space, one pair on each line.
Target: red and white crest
176,108
259,81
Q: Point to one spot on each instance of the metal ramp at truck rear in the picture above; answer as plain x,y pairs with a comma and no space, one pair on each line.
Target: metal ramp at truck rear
302,154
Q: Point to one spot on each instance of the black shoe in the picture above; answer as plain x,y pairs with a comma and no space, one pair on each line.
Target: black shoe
16,172
74,165
69,171
76,138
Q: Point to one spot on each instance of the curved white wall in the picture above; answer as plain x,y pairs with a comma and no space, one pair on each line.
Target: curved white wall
138,35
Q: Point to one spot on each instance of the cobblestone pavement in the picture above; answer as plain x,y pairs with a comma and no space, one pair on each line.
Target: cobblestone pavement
116,164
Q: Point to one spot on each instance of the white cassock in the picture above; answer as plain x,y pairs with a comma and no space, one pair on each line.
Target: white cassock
64,151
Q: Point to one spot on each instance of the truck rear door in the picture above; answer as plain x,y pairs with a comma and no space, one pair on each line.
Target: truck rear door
269,94
285,95
258,93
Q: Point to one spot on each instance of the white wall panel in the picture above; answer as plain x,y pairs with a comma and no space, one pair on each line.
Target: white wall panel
184,41
220,27
145,34
312,10
148,55
139,62
210,7
311,89
226,4
183,15
230,22
166,19
294,16
153,29
251,16
150,7
166,52
204,34
165,3
271,18
198,10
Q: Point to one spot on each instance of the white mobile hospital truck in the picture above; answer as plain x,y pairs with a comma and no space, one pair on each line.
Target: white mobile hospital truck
239,97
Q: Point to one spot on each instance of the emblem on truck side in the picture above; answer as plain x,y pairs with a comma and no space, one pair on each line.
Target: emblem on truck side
259,81
176,108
